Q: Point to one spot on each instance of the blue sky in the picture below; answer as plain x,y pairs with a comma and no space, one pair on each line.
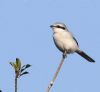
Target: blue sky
25,33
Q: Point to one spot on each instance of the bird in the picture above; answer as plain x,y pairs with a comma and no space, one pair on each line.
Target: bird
66,42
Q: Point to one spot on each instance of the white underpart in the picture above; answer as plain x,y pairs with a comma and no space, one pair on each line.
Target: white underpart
64,40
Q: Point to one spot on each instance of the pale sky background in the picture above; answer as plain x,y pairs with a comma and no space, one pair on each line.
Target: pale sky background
25,33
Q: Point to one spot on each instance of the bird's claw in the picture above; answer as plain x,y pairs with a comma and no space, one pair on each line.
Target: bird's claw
65,54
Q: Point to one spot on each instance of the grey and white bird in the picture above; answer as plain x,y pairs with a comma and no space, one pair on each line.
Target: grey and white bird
65,41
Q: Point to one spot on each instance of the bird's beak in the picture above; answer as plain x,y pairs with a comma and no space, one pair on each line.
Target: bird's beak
51,26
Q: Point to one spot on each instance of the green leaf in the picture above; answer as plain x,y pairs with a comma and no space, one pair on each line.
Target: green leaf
24,67
18,64
24,73
22,70
28,65
13,65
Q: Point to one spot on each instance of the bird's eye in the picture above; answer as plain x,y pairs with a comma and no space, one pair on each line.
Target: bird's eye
60,27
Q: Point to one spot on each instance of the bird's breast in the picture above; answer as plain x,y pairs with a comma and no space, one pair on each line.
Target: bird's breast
64,42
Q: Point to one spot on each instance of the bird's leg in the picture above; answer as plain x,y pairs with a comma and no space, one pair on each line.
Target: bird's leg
65,54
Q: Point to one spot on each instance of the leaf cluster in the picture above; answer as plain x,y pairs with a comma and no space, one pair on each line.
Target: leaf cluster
19,69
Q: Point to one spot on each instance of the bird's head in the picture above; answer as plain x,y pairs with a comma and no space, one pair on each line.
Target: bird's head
58,27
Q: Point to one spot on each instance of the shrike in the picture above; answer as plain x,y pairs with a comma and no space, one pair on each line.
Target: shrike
65,41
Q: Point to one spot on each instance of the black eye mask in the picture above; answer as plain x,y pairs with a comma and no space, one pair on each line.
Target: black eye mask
60,27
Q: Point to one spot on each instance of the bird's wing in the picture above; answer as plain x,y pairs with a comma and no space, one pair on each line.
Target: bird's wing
76,41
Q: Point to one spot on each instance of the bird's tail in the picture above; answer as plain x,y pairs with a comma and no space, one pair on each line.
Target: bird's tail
84,55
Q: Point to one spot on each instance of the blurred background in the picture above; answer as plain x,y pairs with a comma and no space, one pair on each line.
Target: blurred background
25,33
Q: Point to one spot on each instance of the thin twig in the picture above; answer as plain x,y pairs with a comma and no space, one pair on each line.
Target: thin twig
16,79
15,84
56,74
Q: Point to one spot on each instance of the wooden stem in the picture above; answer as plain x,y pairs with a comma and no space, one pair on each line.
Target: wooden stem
56,74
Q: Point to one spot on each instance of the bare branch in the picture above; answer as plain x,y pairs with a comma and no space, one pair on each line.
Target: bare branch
56,74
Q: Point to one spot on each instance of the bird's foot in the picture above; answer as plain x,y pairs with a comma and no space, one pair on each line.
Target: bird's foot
65,54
